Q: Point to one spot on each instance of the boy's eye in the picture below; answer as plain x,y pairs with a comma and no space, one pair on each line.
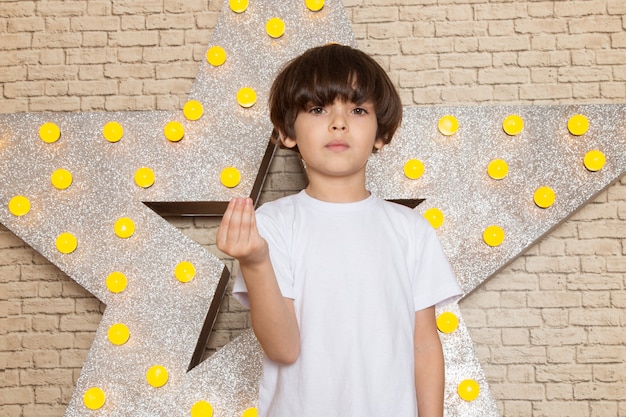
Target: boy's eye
316,110
359,111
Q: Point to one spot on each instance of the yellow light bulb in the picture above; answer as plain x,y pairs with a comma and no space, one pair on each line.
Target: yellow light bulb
493,236
174,131
124,227
113,132
201,409
230,177
157,376
447,322
185,271
19,205
513,125
498,169
238,6
544,197
144,177
118,334
468,390
61,179
315,5
435,217
216,56
594,160
49,132
246,97
448,125
116,282
94,398
193,110
250,412
413,168
66,243
275,27
578,125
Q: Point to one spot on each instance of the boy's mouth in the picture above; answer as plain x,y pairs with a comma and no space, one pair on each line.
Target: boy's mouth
337,146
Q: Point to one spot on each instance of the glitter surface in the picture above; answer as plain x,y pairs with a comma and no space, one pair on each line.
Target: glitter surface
165,316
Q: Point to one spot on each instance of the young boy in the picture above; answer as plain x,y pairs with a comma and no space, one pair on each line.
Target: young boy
341,285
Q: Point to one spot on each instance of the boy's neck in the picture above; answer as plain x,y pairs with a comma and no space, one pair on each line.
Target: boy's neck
337,192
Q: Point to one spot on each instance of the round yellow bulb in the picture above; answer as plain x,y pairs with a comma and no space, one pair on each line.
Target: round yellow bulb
498,169
578,125
49,132
447,322
193,110
413,168
116,282
315,5
174,131
216,56
124,227
250,412
230,177
275,27
238,6
513,125
19,205
94,398
246,97
185,271
144,177
66,243
61,179
544,197
493,236
594,160
435,217
448,125
113,132
201,409
157,376
118,334
468,390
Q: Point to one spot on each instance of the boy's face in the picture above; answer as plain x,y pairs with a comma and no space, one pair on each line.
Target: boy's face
336,140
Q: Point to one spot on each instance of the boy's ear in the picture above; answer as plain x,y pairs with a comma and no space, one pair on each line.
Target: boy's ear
378,144
288,142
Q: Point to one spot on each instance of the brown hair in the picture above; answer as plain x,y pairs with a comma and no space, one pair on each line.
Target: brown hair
323,74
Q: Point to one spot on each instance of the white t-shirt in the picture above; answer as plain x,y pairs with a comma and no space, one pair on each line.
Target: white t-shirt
357,273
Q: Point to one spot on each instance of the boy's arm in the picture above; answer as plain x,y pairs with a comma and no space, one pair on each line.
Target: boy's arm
429,366
273,316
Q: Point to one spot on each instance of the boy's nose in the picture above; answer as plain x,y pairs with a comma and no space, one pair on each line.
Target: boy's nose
338,123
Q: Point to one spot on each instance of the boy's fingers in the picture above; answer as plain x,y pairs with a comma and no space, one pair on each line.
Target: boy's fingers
223,232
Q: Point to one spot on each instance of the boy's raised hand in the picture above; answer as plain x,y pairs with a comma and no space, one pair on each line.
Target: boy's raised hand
238,236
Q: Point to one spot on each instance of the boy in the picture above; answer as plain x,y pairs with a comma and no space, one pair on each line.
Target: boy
341,285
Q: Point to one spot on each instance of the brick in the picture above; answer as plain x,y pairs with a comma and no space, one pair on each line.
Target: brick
557,408
541,26
504,43
375,15
444,29
18,395
595,24
601,354
554,299
530,392
596,391
166,22
583,41
134,38
545,92
95,23
25,24
595,317
511,317
14,41
565,336
564,373
503,76
134,7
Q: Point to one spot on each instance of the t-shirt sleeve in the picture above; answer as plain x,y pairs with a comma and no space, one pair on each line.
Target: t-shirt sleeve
435,283
277,237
